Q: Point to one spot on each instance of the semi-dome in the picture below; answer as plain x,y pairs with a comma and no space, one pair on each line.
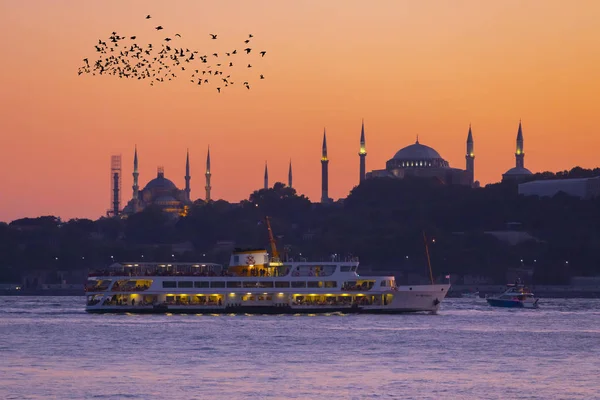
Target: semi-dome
517,171
417,151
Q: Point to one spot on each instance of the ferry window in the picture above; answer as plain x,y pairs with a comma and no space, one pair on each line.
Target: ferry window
353,268
330,284
345,268
234,284
169,284
201,284
282,284
314,284
251,284
236,259
266,284
298,284
217,284
185,284
382,283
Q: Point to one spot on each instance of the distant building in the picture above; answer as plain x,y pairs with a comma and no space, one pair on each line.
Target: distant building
162,192
418,160
518,172
584,188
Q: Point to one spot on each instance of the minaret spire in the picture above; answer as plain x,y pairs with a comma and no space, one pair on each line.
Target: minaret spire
362,153
207,175
470,157
290,174
266,177
324,171
136,174
520,154
187,175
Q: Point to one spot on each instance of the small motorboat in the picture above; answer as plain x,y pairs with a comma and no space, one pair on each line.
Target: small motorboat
515,296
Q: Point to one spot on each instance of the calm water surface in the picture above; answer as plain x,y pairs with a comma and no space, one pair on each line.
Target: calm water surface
50,348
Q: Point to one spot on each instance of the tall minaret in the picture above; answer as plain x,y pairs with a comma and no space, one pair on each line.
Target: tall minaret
136,174
362,153
324,171
187,175
290,174
266,177
207,175
470,157
519,154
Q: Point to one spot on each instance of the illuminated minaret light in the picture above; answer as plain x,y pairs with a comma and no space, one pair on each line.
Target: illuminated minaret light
362,153
520,153
470,156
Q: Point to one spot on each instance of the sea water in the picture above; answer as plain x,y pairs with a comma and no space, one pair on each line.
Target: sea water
51,348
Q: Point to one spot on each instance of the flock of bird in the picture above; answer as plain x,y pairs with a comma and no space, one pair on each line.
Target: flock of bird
120,56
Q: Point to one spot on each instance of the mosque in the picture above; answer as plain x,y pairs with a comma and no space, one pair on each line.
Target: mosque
162,192
419,160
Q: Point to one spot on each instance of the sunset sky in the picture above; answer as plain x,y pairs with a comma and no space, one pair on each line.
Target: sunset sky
409,68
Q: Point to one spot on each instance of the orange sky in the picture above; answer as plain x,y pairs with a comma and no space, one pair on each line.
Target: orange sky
407,67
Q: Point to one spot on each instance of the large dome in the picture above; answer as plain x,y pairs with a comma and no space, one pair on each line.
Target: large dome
160,183
417,152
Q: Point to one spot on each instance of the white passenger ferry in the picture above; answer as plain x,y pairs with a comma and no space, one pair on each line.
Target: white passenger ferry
254,283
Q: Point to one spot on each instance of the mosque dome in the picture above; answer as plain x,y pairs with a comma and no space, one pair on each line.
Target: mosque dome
417,155
160,183
417,151
518,171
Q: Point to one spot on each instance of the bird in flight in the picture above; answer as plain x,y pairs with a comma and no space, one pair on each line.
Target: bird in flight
262,76
213,36
158,28
167,39
250,36
219,89
133,37
248,50
262,53
148,17
177,34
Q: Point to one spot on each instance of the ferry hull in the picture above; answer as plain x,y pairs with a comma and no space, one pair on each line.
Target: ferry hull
407,299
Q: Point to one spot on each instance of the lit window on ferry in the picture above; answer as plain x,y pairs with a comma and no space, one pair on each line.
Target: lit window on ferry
314,284
169,284
217,284
330,284
297,284
185,284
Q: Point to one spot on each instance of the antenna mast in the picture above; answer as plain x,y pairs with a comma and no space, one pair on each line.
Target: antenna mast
428,260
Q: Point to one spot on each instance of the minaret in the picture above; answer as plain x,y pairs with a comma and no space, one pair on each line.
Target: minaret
207,175
470,157
187,175
362,153
519,154
324,171
290,174
136,174
266,177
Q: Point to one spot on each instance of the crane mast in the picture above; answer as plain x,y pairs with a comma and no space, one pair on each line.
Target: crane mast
274,251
